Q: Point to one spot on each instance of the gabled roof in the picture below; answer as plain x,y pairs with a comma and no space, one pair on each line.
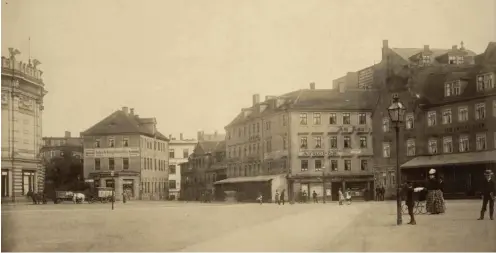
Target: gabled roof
407,53
205,147
121,123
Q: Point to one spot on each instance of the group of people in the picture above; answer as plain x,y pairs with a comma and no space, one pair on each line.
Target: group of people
379,193
435,203
279,198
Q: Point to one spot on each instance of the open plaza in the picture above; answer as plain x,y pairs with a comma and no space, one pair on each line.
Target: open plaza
193,226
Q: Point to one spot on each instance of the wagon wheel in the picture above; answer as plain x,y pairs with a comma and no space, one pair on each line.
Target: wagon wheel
404,209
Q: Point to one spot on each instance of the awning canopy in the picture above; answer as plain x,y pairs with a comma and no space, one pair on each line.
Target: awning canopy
234,180
451,159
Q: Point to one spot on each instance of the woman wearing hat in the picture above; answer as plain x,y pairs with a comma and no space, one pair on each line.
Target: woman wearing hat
435,199
488,193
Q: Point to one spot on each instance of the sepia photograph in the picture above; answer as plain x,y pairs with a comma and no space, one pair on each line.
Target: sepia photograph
248,126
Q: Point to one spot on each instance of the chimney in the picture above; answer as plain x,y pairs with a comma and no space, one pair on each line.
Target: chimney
312,86
426,48
256,99
385,48
131,111
455,47
67,134
181,136
125,110
170,136
199,135
385,44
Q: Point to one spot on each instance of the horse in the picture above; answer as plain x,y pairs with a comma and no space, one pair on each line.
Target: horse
78,198
38,198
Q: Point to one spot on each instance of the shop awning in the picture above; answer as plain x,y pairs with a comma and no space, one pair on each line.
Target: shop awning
234,180
451,159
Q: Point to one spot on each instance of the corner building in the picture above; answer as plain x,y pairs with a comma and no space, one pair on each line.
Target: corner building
133,149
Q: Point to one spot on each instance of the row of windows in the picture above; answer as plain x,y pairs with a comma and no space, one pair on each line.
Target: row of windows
447,145
155,145
333,142
156,187
333,120
111,163
153,164
172,153
254,128
254,148
484,82
319,165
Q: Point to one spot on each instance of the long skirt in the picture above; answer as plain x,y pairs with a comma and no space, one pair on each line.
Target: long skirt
435,202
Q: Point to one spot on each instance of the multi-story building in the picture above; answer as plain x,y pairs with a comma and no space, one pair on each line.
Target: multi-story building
410,73
23,90
179,152
296,140
133,150
202,136
196,175
58,146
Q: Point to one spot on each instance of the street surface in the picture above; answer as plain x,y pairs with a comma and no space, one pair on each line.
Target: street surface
175,226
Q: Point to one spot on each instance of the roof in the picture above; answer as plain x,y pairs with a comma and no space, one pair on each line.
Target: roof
234,180
121,123
209,146
406,53
451,159
311,99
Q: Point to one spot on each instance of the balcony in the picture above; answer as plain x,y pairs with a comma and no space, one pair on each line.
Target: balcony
347,129
20,69
364,130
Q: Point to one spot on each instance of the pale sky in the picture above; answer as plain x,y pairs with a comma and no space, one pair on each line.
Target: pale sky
194,64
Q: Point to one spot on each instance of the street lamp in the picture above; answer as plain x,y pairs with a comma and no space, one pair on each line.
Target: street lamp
113,189
323,186
396,113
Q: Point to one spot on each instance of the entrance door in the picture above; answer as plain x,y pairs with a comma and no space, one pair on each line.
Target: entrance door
5,183
27,182
128,187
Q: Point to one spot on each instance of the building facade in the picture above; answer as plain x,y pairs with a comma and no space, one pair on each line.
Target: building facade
128,152
56,146
23,90
179,152
305,140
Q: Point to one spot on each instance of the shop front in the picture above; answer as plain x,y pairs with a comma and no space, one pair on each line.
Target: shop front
122,181
247,189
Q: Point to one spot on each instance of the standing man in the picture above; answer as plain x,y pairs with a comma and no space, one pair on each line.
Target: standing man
488,192
314,195
281,199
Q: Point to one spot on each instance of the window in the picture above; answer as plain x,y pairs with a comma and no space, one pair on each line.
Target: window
363,141
172,184
448,144
432,146
333,120
125,142
317,118
346,141
5,183
362,118
111,142
304,165
111,164
480,111
364,164
455,60
347,164
27,182
171,153
267,125
303,119
185,153
463,143
269,167
97,143
385,124
410,147
485,82
318,141
386,150
426,60
480,140
334,141
462,114
284,143
269,145
447,89
334,165
172,169
97,163
284,119
346,119
447,116
431,118
303,142
318,165
410,121
125,163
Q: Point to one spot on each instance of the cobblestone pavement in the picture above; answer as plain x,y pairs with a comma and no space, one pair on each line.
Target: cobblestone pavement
175,226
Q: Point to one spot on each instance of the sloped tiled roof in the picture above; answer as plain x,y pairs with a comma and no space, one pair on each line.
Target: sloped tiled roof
121,123
208,146
406,53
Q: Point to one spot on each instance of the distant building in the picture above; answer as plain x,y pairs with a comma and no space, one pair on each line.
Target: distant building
56,146
133,150
23,90
179,152
202,136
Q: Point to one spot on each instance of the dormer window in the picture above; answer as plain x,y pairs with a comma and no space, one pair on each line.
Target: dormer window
455,60
426,60
485,82
452,88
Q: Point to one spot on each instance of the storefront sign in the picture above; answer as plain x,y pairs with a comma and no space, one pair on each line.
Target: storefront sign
111,152
317,153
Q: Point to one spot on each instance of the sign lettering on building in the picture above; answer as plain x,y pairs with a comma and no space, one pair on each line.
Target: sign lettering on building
318,153
111,152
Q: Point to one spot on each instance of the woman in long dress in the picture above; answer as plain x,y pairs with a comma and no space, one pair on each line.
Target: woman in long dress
435,199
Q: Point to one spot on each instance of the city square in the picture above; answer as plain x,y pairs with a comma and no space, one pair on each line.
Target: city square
176,226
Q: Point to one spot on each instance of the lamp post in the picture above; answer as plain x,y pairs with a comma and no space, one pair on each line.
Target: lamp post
396,113
323,186
113,189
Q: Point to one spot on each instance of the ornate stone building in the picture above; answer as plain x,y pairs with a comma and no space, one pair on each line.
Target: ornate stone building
22,106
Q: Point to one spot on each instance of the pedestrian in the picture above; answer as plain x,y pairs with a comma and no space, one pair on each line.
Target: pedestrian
260,198
341,197
383,192
488,192
435,199
276,198
348,196
314,195
410,201
281,199
377,193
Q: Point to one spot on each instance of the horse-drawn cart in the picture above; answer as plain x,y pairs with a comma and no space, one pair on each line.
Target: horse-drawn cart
63,196
101,194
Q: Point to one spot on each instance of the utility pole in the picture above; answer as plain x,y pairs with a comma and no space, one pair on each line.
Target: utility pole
323,186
